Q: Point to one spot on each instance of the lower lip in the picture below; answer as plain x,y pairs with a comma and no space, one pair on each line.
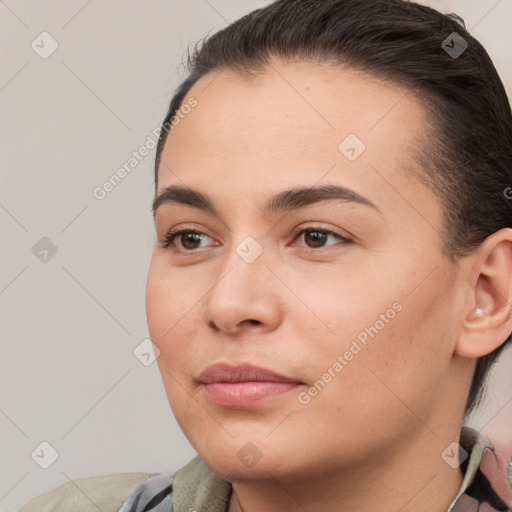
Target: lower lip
245,394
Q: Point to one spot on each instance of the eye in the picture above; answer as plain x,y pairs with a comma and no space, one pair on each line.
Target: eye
190,239
316,238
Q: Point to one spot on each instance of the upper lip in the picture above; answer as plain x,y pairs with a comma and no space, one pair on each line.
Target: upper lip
224,372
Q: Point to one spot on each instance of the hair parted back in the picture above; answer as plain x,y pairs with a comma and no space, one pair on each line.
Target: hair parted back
467,156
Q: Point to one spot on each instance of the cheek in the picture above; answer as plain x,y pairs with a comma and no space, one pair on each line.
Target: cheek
346,312
172,311
407,361
169,311
169,300
385,377
393,344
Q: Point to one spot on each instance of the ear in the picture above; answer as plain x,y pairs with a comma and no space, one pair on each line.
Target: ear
488,316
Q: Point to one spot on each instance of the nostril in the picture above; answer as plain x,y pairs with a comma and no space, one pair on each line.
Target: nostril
249,320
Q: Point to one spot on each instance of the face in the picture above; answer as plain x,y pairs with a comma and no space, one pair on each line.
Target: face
346,295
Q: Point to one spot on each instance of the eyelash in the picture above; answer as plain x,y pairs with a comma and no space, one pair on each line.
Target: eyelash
173,234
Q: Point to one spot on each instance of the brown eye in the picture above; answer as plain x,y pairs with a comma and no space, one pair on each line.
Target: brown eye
189,239
318,238
315,238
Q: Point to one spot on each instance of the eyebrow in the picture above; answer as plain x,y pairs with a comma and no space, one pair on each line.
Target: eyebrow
292,199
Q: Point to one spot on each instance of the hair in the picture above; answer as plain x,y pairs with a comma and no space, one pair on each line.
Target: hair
466,157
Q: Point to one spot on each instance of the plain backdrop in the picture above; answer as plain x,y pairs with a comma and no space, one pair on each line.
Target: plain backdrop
73,267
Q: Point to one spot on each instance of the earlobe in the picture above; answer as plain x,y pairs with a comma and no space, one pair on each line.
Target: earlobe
488,321
477,313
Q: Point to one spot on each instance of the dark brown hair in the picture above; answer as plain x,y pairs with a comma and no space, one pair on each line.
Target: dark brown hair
466,158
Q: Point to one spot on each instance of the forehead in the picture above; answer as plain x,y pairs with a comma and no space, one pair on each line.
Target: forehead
299,98
293,124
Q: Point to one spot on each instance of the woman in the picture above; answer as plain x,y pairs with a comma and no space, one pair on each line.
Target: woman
329,285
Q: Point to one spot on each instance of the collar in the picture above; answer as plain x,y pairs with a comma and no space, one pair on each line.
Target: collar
486,479
197,488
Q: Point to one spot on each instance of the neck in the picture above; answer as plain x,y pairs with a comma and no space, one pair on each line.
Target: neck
411,478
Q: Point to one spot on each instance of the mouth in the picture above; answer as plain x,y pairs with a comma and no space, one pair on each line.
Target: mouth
243,385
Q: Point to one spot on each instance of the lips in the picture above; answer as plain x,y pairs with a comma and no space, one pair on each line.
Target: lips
222,372
243,385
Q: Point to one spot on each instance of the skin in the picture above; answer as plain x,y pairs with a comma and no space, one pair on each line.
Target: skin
372,439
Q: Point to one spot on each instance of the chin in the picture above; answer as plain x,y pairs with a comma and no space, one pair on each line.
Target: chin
227,465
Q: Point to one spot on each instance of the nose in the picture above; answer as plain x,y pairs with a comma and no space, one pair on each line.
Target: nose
244,297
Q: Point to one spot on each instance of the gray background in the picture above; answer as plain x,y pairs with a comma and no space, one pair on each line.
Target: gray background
68,375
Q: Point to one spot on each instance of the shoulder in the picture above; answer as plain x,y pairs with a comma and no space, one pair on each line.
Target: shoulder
192,487
105,493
